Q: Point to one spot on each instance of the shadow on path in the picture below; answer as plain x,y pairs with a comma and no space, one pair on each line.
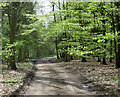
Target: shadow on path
51,79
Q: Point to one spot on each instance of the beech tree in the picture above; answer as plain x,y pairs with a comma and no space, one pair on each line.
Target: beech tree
118,31
88,29
11,9
29,37
78,29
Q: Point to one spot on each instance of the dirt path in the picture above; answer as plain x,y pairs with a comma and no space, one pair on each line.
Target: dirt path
52,79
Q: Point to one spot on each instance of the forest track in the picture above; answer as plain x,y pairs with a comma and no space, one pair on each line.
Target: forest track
52,79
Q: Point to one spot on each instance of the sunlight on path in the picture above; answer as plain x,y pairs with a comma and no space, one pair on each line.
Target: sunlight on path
51,79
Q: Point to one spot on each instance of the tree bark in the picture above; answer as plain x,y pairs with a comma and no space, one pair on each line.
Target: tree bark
98,60
118,44
20,54
110,51
104,34
60,9
84,59
57,49
12,16
56,44
115,45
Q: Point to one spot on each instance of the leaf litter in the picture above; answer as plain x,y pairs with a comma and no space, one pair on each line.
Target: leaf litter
12,80
105,76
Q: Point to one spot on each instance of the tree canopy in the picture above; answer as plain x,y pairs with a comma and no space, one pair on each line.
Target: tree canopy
75,29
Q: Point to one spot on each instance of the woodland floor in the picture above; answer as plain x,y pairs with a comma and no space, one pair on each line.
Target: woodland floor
12,80
65,78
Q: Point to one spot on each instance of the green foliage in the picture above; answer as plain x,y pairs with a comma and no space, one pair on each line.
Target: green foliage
80,32
30,35
82,29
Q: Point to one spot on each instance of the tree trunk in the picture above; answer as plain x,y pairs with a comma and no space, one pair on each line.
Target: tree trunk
37,52
118,45
84,59
20,54
12,41
118,57
115,46
57,49
110,51
53,5
104,61
12,16
66,59
60,9
104,46
98,60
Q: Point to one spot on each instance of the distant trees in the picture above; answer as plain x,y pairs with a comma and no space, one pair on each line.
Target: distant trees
83,29
88,30
23,35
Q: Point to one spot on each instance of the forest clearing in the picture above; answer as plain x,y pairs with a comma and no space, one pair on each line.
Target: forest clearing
60,47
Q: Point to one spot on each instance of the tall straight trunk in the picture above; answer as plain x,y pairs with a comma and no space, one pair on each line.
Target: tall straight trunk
60,9
25,52
56,45
66,47
83,58
12,16
66,55
98,60
118,56
20,54
104,53
104,34
37,52
110,51
56,40
115,45
118,44
28,52
104,46
111,42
